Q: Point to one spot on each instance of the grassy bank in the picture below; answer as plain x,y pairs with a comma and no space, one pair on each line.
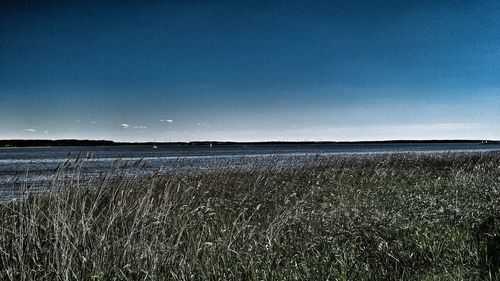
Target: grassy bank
400,217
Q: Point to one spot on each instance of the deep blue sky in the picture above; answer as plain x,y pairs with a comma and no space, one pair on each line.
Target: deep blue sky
256,70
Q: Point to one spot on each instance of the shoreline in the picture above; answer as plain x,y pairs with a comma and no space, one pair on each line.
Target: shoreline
76,142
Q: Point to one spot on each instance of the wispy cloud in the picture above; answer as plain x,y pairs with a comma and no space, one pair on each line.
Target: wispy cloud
166,120
128,126
93,122
29,130
202,124
456,126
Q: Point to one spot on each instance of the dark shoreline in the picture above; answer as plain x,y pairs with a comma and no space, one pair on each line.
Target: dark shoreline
75,142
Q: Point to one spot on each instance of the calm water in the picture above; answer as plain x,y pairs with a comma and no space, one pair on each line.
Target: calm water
35,166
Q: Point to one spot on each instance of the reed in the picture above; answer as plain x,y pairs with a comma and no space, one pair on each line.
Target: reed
378,217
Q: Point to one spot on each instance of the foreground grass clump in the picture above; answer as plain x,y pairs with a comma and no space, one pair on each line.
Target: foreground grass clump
399,217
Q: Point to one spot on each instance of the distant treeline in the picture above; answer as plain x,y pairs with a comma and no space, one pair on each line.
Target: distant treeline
26,143
74,142
342,142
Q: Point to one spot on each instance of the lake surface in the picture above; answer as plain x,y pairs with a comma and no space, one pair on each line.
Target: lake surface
36,166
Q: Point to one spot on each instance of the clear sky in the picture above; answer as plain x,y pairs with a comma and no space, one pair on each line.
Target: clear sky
250,71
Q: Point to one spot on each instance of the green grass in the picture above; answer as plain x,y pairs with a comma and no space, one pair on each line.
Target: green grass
399,217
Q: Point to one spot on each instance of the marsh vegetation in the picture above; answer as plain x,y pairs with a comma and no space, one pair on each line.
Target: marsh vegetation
379,217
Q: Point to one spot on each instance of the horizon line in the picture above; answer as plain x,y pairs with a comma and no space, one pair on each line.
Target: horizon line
246,142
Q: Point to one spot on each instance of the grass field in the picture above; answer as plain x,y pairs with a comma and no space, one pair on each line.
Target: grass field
382,217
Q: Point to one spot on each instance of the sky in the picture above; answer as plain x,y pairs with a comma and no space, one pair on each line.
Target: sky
249,70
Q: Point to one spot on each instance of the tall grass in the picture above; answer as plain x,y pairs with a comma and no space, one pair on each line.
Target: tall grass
399,217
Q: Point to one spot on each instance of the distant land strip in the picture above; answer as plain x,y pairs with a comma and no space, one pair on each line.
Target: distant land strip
76,142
